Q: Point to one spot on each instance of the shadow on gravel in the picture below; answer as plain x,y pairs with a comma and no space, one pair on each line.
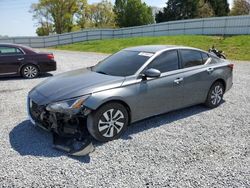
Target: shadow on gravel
159,120
162,120
26,139
42,75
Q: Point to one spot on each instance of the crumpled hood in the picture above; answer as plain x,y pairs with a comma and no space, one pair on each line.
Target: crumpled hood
73,84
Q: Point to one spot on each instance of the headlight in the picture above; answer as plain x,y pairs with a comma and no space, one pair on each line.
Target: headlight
71,106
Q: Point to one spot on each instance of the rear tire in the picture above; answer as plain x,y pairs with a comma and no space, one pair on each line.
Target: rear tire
108,122
215,95
30,71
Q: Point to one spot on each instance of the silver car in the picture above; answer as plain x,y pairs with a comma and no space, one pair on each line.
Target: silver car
126,87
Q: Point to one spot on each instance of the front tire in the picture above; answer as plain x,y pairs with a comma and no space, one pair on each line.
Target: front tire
215,95
29,71
108,122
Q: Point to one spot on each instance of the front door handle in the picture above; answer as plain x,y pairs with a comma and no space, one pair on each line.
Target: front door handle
210,70
178,80
20,59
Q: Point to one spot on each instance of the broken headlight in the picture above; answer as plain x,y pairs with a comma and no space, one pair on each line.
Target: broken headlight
71,106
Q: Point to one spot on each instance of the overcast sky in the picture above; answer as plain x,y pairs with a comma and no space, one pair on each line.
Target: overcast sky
15,19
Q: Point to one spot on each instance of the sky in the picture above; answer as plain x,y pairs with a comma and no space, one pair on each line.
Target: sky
15,19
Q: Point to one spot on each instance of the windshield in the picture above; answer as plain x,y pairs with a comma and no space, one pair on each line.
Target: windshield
123,63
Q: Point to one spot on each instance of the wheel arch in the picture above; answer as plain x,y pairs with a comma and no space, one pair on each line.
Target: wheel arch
221,81
28,63
122,102
208,101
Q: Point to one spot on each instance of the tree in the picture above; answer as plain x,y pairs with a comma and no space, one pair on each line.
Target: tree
44,30
120,12
60,13
178,10
132,13
205,10
101,14
44,20
160,17
220,7
81,14
240,7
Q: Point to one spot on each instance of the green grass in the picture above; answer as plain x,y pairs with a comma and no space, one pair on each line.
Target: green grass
235,47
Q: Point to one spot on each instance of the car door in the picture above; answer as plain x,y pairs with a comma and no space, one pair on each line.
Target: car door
163,94
196,76
10,60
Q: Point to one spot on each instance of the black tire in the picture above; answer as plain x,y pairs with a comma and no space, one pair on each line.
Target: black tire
215,95
103,126
29,71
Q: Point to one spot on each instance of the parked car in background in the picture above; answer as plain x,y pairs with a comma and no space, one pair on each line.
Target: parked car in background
21,60
126,87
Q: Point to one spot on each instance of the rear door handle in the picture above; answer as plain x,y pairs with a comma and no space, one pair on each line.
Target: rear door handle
20,59
178,80
210,70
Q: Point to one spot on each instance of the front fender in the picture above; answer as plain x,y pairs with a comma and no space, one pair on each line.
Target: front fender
99,98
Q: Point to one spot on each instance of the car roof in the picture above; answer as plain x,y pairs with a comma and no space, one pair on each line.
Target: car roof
12,45
157,48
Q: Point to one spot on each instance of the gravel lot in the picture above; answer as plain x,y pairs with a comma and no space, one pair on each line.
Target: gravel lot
193,147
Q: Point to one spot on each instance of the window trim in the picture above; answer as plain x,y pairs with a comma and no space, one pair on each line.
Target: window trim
140,71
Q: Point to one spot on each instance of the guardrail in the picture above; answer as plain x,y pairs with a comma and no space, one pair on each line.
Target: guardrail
232,25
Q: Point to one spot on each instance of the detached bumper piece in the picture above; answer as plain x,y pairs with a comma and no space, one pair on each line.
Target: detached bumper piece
73,146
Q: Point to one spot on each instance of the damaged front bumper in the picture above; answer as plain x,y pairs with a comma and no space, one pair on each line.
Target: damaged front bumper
69,132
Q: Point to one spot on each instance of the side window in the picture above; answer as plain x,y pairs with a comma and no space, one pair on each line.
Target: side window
191,58
167,61
9,50
205,57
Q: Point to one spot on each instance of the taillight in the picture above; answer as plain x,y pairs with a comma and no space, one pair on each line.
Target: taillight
50,56
231,66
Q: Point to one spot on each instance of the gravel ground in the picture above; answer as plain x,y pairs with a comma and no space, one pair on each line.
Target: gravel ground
193,147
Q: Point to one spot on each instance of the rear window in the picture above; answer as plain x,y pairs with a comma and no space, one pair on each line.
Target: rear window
191,58
123,63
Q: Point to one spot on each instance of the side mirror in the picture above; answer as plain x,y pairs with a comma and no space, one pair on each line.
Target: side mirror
152,73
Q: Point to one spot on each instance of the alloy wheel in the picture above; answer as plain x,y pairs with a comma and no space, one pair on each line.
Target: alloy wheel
216,95
111,123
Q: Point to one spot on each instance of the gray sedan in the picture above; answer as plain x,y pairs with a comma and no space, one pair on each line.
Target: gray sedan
126,87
